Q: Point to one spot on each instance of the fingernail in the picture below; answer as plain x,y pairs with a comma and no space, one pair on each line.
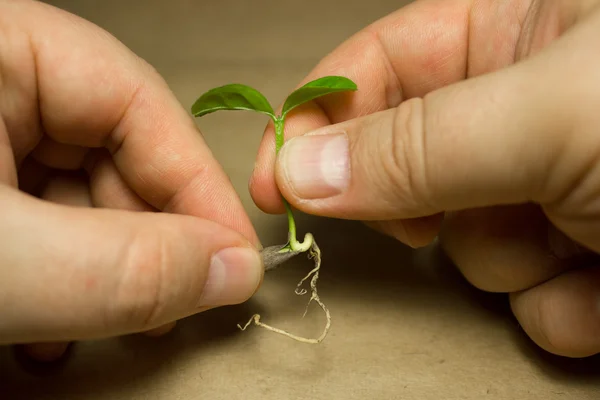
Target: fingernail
316,166
233,277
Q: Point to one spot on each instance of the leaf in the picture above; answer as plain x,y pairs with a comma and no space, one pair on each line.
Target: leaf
317,88
232,97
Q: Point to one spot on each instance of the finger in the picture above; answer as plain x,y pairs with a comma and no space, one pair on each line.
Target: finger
108,188
74,191
418,49
508,249
109,272
46,352
127,108
561,315
418,232
8,170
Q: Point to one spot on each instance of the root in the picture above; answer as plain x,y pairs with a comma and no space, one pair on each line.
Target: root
314,253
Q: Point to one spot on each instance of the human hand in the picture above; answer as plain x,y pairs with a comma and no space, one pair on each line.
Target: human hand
477,120
94,256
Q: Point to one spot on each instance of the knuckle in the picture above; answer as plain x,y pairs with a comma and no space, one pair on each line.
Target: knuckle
196,173
139,299
404,161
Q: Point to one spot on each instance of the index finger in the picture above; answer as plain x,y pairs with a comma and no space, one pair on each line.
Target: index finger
416,50
90,90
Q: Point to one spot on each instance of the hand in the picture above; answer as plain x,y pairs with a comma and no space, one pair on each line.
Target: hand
93,256
479,119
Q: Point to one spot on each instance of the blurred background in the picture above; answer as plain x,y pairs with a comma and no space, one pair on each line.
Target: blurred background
405,324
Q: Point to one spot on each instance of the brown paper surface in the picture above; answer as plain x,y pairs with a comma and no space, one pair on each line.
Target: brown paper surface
405,324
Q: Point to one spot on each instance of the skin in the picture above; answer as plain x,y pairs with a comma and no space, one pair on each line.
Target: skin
512,85
483,116
114,207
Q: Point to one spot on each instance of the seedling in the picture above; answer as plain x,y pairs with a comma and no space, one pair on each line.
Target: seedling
242,97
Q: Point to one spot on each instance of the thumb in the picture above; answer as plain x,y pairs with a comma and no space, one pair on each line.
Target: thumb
513,136
75,273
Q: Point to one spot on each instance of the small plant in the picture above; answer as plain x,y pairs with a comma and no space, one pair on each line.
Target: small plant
242,97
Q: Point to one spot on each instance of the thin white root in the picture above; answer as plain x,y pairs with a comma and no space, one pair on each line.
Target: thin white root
314,253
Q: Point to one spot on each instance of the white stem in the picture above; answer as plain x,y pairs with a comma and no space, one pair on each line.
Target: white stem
303,246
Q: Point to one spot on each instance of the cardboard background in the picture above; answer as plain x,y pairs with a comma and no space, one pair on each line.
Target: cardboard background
405,324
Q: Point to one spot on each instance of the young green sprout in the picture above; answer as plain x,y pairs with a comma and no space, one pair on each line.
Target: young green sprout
242,97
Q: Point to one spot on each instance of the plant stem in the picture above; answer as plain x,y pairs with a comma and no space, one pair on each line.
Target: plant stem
279,133
293,243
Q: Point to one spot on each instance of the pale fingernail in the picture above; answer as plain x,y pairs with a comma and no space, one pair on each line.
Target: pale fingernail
233,277
316,166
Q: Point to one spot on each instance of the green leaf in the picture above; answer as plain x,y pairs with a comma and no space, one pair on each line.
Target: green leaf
232,97
317,88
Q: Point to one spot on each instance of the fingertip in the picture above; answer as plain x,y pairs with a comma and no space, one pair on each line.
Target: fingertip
46,352
562,315
262,185
416,233
424,230
161,330
264,192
